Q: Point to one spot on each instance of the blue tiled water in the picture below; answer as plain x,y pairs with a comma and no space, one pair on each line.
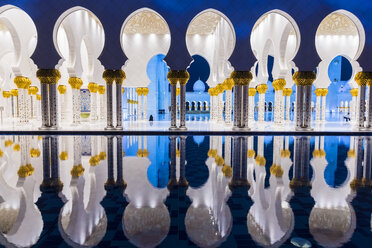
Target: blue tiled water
185,191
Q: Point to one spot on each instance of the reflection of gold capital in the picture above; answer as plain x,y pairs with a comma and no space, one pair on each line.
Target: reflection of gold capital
279,84
276,170
260,160
181,76
139,153
77,171
102,155
8,143
16,147
367,182
304,78
25,170
285,153
241,77
251,153
63,155
356,184
1,153
227,171
34,153
94,160
351,153
48,76
219,160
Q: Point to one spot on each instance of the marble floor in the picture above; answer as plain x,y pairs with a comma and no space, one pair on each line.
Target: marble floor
199,126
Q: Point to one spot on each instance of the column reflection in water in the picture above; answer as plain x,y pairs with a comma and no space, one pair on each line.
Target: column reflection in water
19,191
208,219
257,168
270,220
146,220
332,219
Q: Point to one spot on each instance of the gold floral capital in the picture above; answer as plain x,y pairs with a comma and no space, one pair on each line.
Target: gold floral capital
228,83
241,77
75,82
145,91
304,78
181,76
120,76
92,87
252,92
363,78
279,84
354,92
109,76
101,89
22,82
61,89
262,88
48,76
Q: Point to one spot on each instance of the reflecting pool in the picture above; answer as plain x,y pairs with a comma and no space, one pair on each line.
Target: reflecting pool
167,191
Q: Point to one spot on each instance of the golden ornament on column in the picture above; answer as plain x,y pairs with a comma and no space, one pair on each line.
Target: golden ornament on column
318,92
262,88
228,83
120,76
48,76
61,89
241,77
22,82
279,84
363,78
252,92
6,94
32,90
101,89
354,92
14,92
145,91
75,82
324,92
93,87
304,78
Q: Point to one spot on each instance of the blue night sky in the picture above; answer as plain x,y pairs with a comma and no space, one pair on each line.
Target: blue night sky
242,13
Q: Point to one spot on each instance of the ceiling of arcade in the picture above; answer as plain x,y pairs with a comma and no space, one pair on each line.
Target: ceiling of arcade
204,24
337,24
265,18
146,22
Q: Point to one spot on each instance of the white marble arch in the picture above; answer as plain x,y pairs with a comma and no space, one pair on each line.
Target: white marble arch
82,220
211,35
275,33
18,39
79,39
146,220
21,222
339,33
208,220
144,34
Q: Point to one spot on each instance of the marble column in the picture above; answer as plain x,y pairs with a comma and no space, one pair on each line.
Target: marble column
172,167
278,85
110,182
22,84
354,99
252,94
62,101
180,77
119,161
229,84
324,97
48,79
145,91
362,78
182,181
369,106
102,102
304,81
241,86
262,88
318,93
120,76
76,84
109,76
288,93
139,94
93,88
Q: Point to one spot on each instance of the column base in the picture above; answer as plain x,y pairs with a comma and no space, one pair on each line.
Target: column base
304,128
172,128
241,129
118,128
182,128
109,128
48,128
182,182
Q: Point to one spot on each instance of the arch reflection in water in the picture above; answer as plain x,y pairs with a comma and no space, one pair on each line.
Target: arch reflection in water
148,175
